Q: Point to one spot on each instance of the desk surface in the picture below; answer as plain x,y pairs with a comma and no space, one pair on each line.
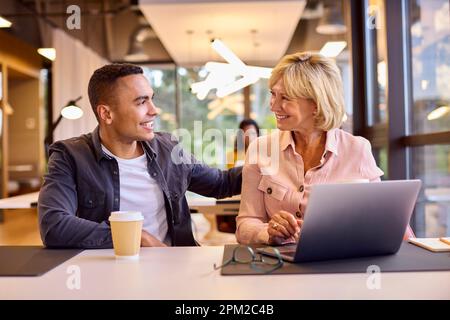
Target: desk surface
25,201
19,202
187,273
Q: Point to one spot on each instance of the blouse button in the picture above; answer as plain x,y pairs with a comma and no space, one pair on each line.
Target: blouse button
301,189
269,190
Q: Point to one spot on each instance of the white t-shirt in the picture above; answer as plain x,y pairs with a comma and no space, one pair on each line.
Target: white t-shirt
140,192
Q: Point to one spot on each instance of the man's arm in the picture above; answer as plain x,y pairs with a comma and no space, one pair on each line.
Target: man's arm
211,182
204,180
57,206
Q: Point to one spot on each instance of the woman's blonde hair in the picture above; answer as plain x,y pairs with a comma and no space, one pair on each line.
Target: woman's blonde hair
312,76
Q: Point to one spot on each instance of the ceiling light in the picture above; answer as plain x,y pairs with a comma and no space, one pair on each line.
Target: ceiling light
182,71
229,77
331,22
213,80
202,73
438,113
345,117
424,84
4,23
141,33
381,73
223,67
332,49
71,110
226,53
236,86
49,53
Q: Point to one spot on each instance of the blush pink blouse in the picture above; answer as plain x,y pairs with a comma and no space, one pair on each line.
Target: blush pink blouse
274,178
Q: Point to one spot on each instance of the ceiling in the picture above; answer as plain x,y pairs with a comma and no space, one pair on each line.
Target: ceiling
259,32
107,26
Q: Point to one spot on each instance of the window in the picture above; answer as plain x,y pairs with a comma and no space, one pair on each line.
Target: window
162,80
430,52
406,87
432,167
380,155
260,105
430,114
208,120
375,61
344,64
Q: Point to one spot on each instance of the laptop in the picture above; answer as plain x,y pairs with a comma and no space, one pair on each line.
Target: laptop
353,220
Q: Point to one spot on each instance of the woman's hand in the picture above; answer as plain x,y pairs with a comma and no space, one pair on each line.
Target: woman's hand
283,227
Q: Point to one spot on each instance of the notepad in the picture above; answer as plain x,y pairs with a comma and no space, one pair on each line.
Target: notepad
432,244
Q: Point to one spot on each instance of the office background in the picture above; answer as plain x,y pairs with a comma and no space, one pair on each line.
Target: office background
395,66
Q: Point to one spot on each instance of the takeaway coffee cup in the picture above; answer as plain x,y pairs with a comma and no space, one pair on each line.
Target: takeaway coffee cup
126,228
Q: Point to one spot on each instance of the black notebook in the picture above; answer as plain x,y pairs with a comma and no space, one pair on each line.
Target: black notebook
32,260
409,258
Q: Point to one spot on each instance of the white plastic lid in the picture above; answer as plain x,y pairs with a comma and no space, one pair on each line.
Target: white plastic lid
126,216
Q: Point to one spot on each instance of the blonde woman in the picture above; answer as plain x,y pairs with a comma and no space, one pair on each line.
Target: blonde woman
309,148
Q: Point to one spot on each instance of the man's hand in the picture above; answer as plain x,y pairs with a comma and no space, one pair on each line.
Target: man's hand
147,240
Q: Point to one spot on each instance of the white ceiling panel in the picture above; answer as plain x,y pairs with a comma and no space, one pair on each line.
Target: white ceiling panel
186,27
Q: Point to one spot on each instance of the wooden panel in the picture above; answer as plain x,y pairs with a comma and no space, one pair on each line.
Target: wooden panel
247,104
4,134
19,54
20,64
427,139
24,127
21,227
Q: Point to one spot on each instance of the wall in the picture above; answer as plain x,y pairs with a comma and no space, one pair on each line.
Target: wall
72,70
25,134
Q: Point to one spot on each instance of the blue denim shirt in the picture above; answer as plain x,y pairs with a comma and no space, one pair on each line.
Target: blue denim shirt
82,187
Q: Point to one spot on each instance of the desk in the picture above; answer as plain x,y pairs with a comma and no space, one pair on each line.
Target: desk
19,202
208,206
195,201
437,194
438,198
187,273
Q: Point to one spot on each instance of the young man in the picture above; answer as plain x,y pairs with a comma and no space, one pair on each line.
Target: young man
123,165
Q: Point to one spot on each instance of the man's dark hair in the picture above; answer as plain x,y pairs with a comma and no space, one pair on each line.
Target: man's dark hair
103,80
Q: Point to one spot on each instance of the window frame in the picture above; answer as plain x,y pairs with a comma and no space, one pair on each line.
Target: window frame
396,138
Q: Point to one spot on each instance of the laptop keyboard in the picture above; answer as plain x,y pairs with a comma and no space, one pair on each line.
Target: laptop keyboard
288,250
